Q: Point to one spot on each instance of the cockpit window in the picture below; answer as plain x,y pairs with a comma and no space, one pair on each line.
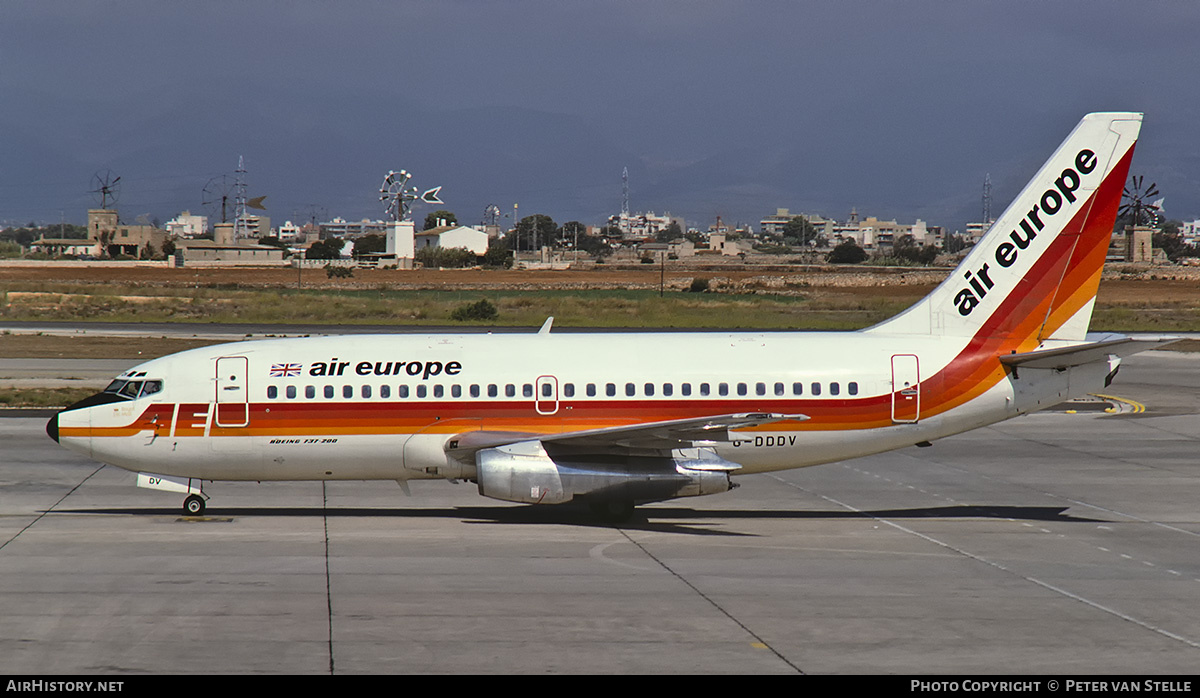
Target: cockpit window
132,390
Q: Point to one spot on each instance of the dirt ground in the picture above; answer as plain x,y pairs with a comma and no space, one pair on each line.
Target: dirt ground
1117,288
1137,296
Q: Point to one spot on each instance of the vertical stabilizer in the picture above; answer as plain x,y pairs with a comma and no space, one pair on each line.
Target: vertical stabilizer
1034,274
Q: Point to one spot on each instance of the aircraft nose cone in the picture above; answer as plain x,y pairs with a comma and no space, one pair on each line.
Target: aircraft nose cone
52,428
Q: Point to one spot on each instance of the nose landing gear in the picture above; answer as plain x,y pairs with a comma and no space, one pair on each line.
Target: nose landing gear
193,505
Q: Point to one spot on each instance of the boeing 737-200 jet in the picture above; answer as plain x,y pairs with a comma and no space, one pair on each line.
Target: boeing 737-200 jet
546,417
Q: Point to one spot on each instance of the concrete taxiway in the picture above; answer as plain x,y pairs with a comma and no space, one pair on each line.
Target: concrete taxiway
1056,543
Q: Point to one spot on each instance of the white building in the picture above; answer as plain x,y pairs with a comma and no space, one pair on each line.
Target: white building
451,236
289,232
185,225
1190,232
774,225
642,225
976,231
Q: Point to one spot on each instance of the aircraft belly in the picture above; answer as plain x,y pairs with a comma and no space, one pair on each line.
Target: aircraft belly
258,458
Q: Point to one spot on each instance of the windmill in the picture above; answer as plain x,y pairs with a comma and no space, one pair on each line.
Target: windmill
106,188
219,197
1139,207
400,197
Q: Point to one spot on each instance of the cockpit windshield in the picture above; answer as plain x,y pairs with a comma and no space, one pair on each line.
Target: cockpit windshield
131,390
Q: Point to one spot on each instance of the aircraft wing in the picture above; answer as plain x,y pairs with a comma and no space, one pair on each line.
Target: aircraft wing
1079,354
652,436
677,433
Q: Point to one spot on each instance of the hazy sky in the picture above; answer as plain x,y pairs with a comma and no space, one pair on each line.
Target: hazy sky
717,108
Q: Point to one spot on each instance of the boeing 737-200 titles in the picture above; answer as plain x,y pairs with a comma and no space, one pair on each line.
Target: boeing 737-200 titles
548,417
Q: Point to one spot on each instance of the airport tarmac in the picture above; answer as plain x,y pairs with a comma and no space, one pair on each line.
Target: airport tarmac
1057,543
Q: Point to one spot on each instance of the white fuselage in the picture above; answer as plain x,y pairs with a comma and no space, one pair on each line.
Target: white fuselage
384,407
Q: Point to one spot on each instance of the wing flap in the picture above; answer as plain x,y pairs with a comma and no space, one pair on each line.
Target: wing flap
653,436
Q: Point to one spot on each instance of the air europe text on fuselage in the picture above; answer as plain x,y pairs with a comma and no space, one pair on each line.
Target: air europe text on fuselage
1052,201
424,369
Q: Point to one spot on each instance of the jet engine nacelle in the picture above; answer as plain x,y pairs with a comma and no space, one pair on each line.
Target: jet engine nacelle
526,472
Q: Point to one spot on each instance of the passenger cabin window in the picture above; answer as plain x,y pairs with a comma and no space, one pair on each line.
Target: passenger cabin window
438,390
493,390
649,389
610,389
272,392
591,390
704,389
310,391
816,388
779,389
547,390
685,389
723,389
366,391
474,391
760,388
510,390
852,388
421,390
668,389
402,391
329,392
291,392
630,389
527,389
797,388
347,391
835,389
568,390
385,391
456,390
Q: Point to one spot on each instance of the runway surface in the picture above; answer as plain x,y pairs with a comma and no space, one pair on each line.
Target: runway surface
1056,543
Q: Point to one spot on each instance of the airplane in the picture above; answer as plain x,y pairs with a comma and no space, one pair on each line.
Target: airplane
617,420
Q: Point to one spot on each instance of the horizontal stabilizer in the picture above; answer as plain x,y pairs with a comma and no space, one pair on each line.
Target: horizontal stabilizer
1079,354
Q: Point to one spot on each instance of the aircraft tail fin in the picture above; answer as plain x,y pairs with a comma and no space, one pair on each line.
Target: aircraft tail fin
1034,274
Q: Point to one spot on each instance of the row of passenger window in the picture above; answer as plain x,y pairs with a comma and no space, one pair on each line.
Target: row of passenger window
546,389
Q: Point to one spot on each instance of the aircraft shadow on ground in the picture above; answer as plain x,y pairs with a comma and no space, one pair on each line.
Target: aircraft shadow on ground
659,519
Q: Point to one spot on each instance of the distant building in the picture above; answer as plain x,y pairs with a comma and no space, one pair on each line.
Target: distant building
289,232
643,225
72,247
718,242
338,228
1189,231
194,253
976,231
186,225
255,227
117,239
451,236
774,226
871,233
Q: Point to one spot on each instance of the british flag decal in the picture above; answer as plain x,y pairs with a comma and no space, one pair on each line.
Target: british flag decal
285,370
